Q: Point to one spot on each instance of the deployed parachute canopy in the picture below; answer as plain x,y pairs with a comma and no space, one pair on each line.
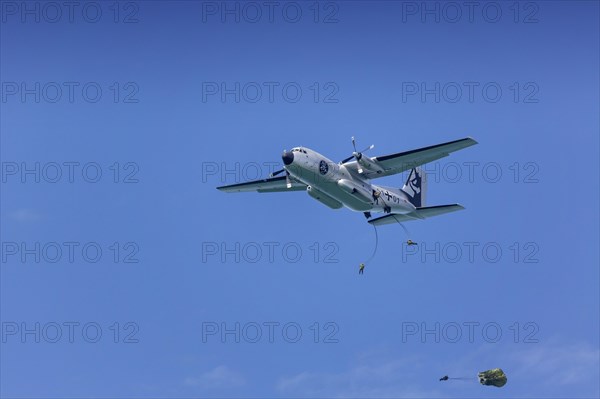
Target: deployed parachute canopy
495,377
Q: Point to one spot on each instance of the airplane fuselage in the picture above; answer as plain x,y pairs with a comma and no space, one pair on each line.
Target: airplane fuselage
335,185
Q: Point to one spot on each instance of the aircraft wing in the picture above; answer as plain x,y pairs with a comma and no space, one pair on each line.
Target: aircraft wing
402,161
270,185
419,213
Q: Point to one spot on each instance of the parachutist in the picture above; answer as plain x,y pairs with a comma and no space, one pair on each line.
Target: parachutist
361,268
411,242
444,378
376,195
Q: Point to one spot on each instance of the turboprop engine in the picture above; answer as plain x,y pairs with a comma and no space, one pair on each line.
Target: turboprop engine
363,161
366,163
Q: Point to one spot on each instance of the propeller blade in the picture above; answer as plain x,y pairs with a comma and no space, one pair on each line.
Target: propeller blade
277,172
353,144
369,148
288,183
347,159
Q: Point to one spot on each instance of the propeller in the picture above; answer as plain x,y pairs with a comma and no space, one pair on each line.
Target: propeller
287,177
288,182
358,154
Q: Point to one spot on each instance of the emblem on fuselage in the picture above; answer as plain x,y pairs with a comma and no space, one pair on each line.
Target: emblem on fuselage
323,167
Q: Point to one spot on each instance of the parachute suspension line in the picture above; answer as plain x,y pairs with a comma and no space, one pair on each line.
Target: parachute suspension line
376,244
394,216
401,225
446,378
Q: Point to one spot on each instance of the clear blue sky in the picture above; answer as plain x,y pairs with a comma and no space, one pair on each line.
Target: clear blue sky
167,132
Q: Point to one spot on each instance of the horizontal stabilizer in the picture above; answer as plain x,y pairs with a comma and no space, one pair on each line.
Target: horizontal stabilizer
419,213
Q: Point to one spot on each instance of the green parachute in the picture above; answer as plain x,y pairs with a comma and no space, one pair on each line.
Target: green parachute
495,377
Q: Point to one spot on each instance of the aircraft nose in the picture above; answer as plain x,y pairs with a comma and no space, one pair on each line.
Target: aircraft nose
287,157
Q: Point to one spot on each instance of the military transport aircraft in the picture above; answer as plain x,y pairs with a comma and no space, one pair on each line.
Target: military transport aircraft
348,183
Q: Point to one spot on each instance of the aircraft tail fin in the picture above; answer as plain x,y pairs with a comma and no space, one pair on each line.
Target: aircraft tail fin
416,187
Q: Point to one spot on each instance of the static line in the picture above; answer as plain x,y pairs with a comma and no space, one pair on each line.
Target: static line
403,227
376,244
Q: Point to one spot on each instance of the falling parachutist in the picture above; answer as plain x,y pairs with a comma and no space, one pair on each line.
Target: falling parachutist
361,268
